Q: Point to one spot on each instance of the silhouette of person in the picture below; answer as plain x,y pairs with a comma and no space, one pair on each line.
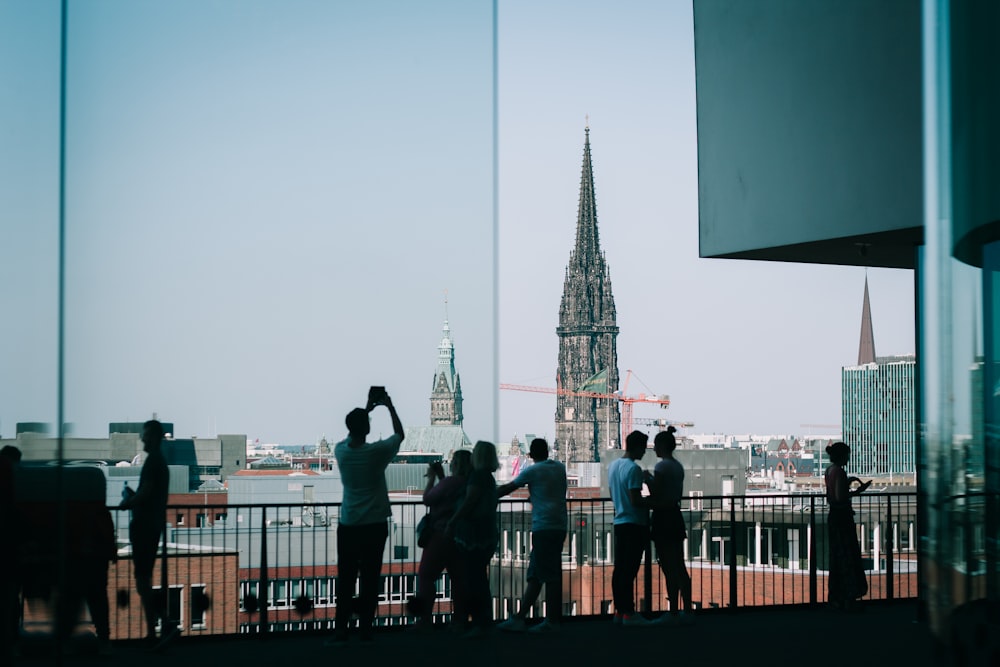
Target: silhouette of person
149,515
474,526
10,604
631,526
847,580
441,496
91,545
668,525
363,530
546,482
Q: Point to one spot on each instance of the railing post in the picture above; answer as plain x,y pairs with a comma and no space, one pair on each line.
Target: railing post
889,569
264,580
164,584
647,576
813,579
733,579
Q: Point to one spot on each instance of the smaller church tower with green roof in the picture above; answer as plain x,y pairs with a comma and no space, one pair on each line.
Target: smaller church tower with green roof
446,392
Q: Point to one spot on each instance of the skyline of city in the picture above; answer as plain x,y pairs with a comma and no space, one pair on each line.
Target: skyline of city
261,167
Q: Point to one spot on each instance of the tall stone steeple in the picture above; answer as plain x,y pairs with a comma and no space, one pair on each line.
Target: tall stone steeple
588,332
446,392
866,349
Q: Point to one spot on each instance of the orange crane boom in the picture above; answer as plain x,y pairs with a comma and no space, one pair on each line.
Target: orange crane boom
627,401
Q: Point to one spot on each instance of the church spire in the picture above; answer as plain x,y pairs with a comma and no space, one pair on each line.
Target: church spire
587,332
866,349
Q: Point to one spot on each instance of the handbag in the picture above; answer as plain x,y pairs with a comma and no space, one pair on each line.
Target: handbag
424,530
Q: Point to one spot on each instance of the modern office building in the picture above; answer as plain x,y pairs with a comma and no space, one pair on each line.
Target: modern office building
878,416
588,333
866,134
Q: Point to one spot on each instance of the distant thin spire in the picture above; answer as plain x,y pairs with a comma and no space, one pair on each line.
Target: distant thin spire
866,349
446,309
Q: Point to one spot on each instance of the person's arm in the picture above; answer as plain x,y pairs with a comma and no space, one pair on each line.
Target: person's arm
657,496
141,495
431,476
840,486
635,488
397,426
512,485
862,486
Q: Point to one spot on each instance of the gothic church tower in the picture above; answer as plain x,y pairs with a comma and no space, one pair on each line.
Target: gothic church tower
588,332
446,392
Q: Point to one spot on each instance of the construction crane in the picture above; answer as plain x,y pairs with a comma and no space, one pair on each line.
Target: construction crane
627,401
662,423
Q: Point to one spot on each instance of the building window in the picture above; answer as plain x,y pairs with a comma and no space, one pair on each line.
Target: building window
250,593
279,593
696,500
199,607
174,609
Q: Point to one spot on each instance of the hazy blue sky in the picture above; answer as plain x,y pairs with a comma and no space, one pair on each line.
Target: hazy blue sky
265,202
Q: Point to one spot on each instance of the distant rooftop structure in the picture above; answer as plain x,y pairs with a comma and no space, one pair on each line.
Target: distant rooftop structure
435,439
446,391
866,348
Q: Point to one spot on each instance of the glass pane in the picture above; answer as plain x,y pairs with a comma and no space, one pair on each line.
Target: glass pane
29,231
266,204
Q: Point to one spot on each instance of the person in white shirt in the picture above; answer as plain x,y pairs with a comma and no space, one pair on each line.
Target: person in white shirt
631,525
546,482
362,530
668,528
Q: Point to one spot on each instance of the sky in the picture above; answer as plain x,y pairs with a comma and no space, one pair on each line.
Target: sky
267,205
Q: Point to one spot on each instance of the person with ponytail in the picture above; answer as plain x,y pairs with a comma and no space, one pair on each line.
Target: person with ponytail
668,528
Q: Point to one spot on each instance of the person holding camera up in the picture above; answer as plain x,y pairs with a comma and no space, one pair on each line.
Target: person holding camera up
362,530
441,496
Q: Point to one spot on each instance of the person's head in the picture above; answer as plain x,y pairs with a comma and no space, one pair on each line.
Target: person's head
358,424
635,444
11,453
152,435
839,453
461,463
538,450
484,457
665,443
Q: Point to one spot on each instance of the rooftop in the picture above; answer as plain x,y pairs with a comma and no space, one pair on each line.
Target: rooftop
882,634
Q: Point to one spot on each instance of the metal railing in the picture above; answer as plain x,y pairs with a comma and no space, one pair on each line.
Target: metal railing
255,569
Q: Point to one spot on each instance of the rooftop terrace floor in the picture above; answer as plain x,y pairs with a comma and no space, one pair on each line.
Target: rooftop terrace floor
882,634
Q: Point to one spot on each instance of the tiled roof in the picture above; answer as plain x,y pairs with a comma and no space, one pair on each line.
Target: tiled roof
437,439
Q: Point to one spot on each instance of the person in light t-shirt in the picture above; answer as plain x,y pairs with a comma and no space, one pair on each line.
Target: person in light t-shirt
363,529
631,525
546,482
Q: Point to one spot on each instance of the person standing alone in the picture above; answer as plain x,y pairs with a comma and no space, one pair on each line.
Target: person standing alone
149,518
363,529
